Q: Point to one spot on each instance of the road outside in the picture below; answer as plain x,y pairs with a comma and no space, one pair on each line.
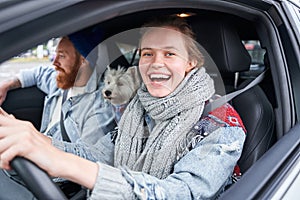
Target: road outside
11,68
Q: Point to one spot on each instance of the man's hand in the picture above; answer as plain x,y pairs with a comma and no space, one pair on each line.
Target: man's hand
7,85
3,92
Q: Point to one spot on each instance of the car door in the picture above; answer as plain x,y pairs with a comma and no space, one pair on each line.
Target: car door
276,175
25,104
273,174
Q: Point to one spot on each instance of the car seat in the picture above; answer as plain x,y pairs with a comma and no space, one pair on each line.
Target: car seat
222,42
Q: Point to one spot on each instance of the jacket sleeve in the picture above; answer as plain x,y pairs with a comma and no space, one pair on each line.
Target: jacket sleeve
42,77
201,174
98,121
103,151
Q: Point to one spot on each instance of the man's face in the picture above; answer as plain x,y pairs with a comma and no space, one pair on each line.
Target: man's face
164,61
67,63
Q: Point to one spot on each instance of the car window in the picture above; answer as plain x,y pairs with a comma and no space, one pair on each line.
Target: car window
130,52
256,52
42,54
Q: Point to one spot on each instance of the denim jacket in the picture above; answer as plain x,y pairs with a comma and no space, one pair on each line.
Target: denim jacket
87,117
201,173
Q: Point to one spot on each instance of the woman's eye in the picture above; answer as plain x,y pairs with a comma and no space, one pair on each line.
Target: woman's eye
170,54
147,54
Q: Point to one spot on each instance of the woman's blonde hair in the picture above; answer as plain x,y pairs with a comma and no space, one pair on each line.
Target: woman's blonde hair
179,24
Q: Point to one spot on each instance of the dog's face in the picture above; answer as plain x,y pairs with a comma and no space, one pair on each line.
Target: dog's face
120,85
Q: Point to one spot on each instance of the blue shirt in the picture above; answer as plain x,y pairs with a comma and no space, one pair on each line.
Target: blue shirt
87,117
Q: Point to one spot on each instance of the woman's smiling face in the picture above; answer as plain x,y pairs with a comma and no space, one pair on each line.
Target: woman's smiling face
164,60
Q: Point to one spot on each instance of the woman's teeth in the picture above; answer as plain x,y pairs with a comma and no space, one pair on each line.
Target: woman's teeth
159,77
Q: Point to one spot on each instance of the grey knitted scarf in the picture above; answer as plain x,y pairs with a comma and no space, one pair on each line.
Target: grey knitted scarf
174,115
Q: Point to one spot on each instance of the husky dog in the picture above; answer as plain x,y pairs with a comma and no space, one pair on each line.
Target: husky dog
120,85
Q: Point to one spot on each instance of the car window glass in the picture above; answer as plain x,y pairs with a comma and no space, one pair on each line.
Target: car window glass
42,54
130,52
257,58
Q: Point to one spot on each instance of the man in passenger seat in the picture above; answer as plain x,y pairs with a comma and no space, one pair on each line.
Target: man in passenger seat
85,118
74,119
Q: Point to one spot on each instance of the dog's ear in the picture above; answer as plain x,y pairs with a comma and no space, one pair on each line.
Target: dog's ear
120,68
133,72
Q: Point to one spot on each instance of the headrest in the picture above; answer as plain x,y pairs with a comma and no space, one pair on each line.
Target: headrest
221,40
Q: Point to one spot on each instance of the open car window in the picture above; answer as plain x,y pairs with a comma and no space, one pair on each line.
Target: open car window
42,54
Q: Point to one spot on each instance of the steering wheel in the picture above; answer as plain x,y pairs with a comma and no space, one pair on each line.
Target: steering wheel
37,180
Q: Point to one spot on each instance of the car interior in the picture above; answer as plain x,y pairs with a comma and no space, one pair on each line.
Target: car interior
222,36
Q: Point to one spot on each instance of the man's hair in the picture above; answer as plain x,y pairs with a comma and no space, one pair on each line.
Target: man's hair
78,55
180,25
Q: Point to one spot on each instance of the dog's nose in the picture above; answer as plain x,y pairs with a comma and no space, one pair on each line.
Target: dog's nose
107,93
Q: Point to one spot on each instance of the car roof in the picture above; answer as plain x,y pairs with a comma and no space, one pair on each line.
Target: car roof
27,23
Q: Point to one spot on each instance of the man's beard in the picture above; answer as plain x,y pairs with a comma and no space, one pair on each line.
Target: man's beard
66,80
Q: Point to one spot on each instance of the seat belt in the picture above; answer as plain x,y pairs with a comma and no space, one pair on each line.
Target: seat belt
224,99
64,134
